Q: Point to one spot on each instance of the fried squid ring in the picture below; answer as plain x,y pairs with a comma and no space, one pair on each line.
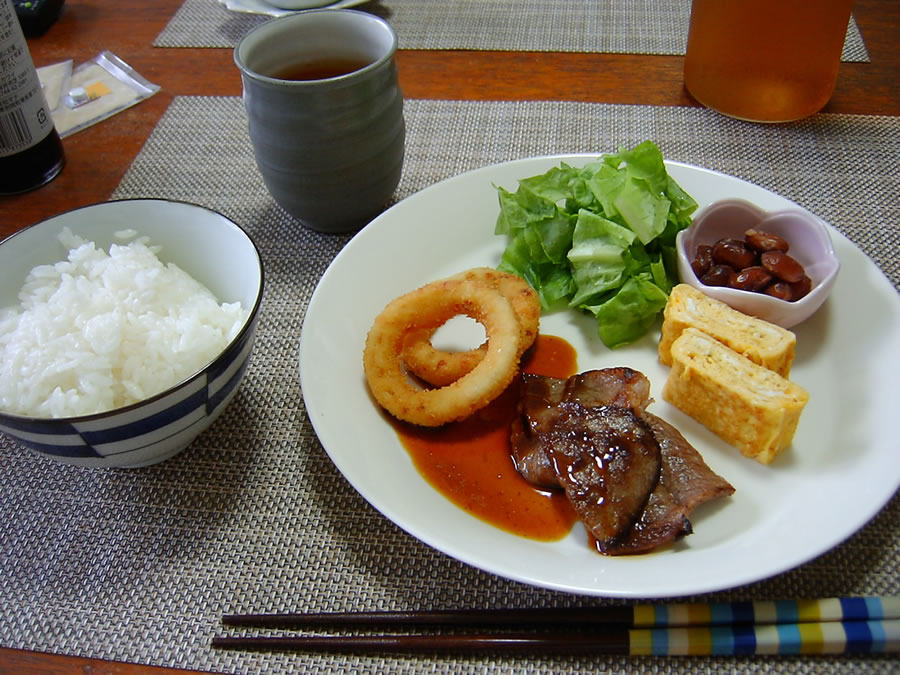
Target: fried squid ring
439,367
427,308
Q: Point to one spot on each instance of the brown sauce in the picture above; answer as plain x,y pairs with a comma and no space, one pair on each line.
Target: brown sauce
469,462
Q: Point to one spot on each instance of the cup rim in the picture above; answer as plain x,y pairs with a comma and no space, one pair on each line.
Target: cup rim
302,17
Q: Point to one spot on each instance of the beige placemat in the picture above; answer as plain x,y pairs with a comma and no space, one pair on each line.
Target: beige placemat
139,565
612,26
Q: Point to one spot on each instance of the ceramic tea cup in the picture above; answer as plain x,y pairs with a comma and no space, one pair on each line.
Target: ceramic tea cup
325,114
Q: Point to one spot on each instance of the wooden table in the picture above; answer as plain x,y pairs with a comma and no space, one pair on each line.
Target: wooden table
98,157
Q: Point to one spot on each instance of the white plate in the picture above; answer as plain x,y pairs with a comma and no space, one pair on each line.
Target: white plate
262,7
841,470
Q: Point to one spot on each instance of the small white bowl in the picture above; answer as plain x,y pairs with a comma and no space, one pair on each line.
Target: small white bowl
810,245
213,250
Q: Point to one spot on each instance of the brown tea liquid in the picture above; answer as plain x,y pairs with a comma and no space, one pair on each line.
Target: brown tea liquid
321,69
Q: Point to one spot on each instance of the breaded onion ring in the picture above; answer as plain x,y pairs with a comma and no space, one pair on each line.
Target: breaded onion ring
440,368
429,307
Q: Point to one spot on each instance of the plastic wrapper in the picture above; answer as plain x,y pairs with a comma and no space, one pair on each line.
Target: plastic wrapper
92,92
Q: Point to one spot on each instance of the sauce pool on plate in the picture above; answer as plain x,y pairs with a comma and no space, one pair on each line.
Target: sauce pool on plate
470,462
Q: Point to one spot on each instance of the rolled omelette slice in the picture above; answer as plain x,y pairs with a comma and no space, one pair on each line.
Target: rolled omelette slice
748,406
762,342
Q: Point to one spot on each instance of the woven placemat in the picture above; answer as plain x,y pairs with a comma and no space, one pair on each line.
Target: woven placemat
611,26
140,565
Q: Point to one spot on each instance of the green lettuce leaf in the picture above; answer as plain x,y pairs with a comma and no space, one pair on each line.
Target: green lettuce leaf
598,255
601,237
630,313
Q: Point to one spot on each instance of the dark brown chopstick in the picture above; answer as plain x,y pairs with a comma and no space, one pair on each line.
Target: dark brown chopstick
617,642
631,616
580,616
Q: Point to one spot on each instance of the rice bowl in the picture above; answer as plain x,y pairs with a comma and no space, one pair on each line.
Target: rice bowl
199,247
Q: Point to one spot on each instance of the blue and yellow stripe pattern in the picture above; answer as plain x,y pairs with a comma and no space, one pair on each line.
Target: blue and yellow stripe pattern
831,625
830,637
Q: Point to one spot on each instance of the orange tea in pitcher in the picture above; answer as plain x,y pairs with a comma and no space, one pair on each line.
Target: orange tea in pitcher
765,60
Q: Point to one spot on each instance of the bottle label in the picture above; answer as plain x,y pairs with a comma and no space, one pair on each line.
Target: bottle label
24,116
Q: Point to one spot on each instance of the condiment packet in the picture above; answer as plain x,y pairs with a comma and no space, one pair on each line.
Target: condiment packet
98,89
55,80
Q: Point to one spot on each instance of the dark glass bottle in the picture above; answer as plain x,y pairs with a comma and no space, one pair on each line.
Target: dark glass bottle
31,152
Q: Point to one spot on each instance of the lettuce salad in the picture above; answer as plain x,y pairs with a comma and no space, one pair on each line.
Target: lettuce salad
600,238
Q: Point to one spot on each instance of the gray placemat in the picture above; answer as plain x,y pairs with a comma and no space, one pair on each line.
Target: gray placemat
611,26
139,565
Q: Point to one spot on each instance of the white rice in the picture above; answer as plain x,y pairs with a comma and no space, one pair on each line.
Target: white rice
102,330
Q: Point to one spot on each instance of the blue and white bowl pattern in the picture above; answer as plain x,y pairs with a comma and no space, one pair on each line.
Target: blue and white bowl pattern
146,432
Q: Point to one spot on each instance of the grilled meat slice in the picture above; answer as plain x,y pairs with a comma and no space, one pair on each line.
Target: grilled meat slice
540,395
561,432
538,398
662,520
607,461
609,386
684,473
